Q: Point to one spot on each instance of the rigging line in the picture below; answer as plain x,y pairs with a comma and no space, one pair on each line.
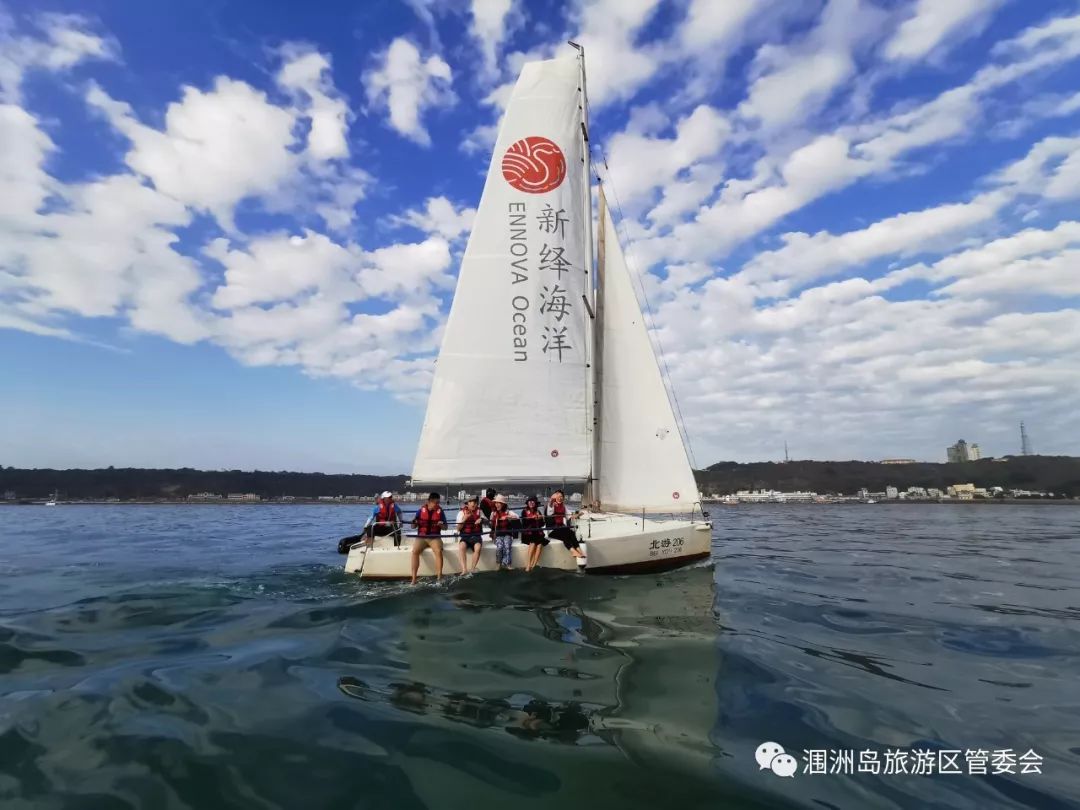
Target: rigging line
648,308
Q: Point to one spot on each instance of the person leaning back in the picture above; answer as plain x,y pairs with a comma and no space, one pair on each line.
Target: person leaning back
559,522
429,521
385,520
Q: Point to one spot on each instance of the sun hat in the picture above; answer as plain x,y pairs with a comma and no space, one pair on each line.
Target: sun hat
387,494
500,499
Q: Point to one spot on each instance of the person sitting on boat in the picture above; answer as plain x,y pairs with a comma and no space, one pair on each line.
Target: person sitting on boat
385,519
429,521
487,503
532,531
470,530
502,530
559,521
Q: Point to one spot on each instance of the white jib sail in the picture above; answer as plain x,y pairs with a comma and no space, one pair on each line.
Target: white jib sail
643,462
509,398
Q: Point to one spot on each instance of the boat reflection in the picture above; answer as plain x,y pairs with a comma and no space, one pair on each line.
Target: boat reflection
534,720
627,663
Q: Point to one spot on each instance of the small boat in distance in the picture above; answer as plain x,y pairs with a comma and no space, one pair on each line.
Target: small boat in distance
52,499
546,376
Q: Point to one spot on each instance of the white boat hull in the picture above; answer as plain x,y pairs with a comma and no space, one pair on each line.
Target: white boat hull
613,543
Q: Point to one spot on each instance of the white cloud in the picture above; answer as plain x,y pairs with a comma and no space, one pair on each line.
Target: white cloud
934,22
439,216
708,24
67,41
805,258
276,268
216,149
406,268
406,84
618,63
109,251
23,179
793,81
306,73
489,22
232,143
643,162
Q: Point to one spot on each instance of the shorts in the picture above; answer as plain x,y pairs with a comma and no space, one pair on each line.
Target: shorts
532,538
420,543
471,540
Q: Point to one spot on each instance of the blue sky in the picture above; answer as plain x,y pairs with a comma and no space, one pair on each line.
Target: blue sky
229,231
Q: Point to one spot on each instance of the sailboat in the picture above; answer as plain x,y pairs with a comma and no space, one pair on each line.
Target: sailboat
547,376
52,500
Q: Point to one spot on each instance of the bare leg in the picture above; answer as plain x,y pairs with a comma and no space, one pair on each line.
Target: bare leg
476,555
415,561
462,553
437,550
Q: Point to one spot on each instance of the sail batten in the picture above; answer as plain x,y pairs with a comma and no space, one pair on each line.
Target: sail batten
509,399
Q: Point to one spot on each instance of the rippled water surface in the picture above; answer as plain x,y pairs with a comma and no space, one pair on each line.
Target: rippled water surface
216,657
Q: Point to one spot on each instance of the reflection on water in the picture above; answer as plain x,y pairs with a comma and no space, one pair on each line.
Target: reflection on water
217,657
536,720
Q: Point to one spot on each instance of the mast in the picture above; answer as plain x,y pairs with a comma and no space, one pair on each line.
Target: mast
595,285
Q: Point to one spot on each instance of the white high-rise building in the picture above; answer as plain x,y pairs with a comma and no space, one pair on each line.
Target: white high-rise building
962,451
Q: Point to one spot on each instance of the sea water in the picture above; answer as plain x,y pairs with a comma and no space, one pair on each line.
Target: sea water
217,657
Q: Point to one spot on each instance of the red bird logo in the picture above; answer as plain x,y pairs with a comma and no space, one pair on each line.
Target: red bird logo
535,165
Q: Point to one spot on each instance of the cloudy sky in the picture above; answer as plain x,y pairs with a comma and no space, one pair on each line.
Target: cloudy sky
229,230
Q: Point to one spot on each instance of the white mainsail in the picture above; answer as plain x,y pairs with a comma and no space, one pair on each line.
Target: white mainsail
643,461
509,401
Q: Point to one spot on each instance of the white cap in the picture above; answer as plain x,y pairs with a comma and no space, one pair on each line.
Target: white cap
387,494
500,499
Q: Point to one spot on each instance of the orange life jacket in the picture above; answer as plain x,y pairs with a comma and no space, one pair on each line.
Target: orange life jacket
428,520
500,521
387,512
532,518
471,523
558,513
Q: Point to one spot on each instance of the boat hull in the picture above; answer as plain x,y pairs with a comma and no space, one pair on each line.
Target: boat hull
614,545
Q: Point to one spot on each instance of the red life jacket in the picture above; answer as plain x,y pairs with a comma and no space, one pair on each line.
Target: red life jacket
558,513
500,521
387,512
428,520
532,518
471,523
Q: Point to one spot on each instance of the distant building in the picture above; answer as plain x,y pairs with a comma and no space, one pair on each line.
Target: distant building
963,492
933,492
892,493
242,496
898,461
915,492
462,495
204,496
962,451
